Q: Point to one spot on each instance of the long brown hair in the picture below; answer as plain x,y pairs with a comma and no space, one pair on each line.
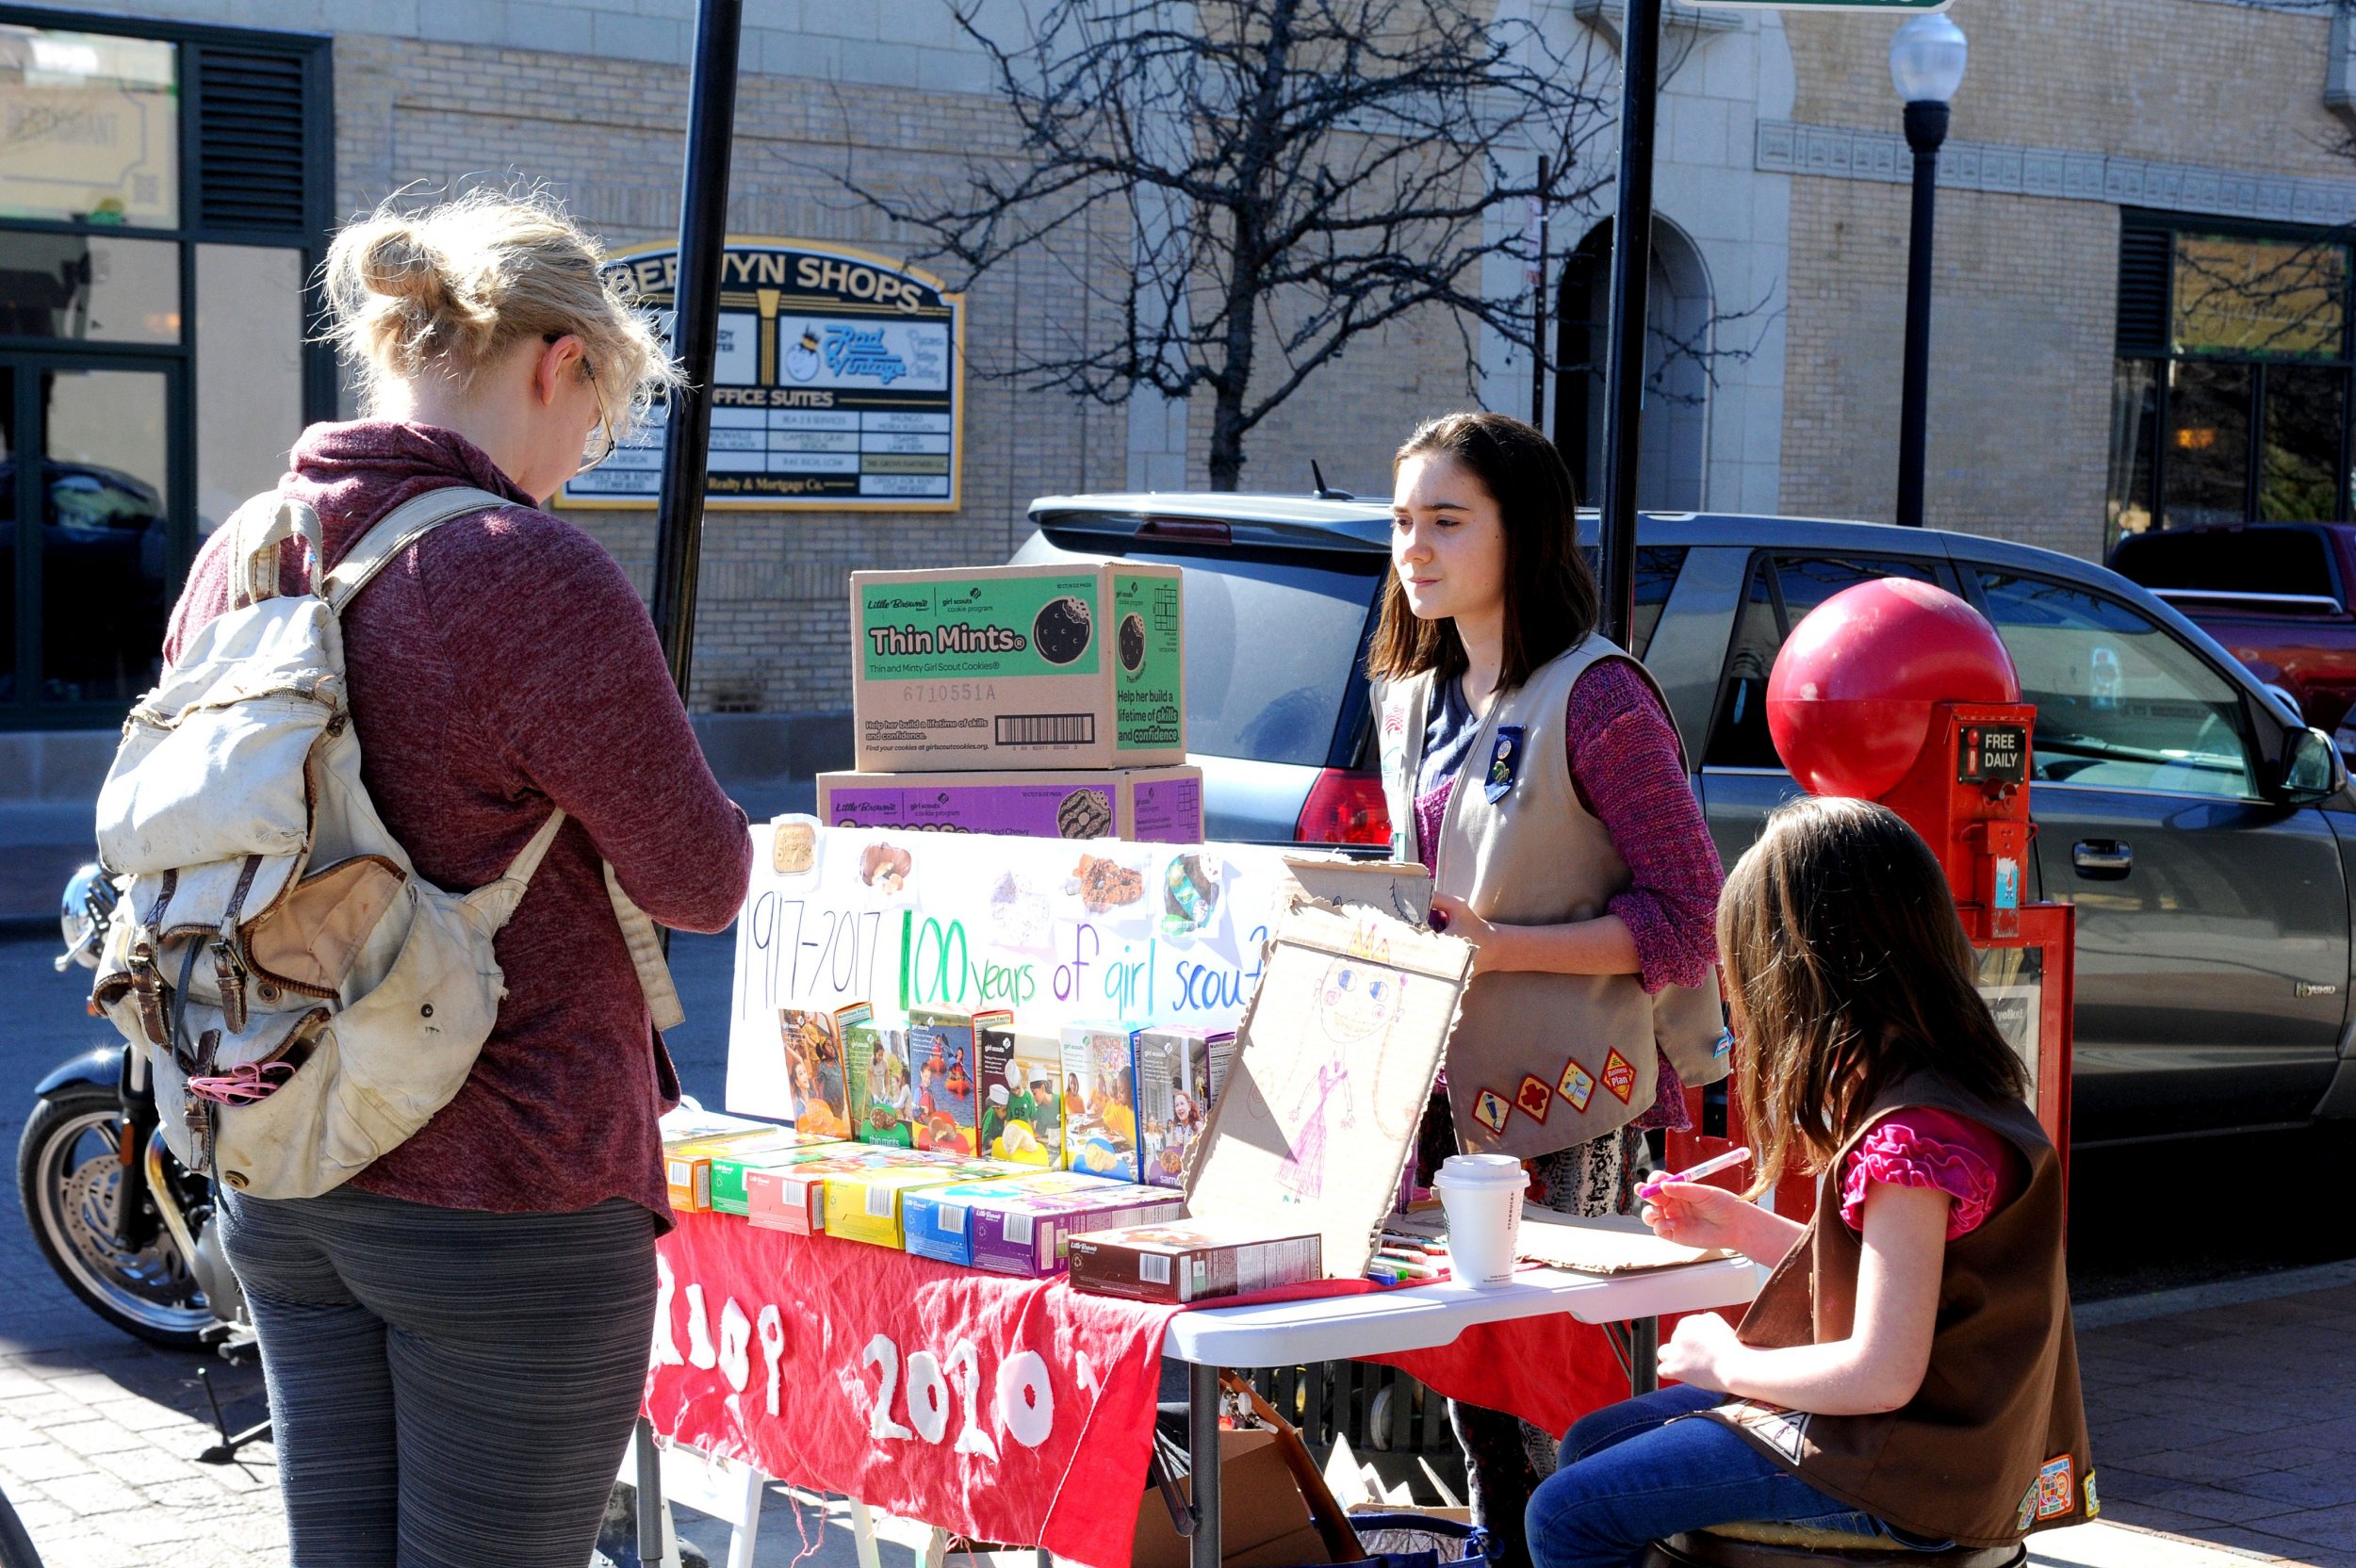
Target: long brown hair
1550,597
1846,969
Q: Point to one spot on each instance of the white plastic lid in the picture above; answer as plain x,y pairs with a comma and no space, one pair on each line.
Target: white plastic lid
1481,1171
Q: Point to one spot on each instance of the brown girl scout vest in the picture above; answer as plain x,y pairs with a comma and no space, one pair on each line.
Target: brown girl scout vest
1994,1444
1540,1062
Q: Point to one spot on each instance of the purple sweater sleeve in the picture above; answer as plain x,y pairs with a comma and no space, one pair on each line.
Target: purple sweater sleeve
583,701
1625,765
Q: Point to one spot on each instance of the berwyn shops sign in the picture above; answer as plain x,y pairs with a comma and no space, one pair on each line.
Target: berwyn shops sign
838,386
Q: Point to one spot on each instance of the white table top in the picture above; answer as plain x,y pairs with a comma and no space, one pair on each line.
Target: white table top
1418,1317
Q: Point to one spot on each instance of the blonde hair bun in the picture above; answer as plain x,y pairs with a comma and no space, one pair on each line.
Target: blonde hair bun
440,291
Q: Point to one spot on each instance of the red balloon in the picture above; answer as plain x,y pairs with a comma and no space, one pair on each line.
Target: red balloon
1849,701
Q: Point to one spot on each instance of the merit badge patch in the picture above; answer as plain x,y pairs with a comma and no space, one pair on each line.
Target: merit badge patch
2028,1508
1577,1087
1505,764
2094,1504
1723,1050
1618,1076
1489,1110
2053,1487
1785,1431
1535,1099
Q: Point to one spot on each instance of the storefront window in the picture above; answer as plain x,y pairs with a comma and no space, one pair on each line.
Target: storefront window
2208,443
249,372
93,287
90,127
2259,298
2134,428
2230,398
104,541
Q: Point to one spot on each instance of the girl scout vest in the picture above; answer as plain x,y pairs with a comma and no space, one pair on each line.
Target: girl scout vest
1994,1444
1540,1062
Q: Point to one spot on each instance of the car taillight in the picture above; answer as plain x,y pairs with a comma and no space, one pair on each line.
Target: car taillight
1344,807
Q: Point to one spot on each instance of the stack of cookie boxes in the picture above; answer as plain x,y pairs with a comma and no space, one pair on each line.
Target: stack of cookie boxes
1044,701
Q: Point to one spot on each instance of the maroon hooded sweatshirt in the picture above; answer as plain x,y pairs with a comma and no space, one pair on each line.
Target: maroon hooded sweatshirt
499,669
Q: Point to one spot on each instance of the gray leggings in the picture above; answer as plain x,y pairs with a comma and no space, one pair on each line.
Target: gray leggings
449,1388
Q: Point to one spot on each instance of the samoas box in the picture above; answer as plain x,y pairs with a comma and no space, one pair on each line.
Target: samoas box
864,1205
1065,666
1145,805
1019,1227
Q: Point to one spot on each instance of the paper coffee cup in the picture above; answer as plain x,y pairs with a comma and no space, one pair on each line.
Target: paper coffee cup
1483,1194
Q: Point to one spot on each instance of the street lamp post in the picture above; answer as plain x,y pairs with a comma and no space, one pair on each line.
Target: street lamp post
1926,60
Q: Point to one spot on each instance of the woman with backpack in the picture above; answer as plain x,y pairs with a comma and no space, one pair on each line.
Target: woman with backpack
455,1338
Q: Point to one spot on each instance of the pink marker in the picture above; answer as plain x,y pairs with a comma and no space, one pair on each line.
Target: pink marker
1727,1161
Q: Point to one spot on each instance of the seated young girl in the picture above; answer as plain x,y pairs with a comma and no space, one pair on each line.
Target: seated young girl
1909,1373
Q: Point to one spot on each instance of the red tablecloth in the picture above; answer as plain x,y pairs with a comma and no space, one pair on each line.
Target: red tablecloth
1007,1410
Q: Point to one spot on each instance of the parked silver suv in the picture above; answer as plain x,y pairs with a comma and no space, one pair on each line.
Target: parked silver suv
2184,812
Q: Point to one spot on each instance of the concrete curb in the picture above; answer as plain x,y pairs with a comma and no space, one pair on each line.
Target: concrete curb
2226,1293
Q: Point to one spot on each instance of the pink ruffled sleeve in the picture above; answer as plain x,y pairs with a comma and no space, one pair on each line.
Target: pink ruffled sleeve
1923,1147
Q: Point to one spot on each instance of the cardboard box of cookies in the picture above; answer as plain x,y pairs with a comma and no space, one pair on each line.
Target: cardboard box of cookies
1193,1260
1016,1225
687,1162
1145,805
864,1204
789,1192
1021,1101
1058,665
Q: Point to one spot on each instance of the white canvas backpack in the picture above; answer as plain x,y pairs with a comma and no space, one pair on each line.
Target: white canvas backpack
276,944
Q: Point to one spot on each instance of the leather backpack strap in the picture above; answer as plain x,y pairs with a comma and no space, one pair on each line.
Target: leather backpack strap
394,533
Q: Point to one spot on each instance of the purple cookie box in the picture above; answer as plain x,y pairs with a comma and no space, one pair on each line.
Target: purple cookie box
1025,810
1050,1216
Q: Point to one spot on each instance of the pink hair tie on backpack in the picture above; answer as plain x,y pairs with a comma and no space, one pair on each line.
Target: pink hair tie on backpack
241,1084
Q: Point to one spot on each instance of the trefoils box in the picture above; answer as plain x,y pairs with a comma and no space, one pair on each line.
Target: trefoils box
1019,667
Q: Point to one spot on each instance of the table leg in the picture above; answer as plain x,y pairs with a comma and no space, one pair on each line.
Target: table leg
1202,1457
1643,1355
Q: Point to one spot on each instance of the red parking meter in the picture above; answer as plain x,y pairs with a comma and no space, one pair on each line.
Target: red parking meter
1898,691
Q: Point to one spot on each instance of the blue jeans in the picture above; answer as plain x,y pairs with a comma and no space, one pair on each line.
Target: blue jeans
1628,1479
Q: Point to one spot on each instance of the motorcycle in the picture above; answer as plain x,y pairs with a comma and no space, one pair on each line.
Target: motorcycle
123,1223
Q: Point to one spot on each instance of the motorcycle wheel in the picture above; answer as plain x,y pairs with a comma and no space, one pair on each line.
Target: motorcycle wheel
68,1177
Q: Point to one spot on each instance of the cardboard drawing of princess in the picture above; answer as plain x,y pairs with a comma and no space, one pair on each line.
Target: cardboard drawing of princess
1332,1065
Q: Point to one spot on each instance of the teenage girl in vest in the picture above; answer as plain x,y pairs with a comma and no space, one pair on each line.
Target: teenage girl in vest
1908,1372
1578,864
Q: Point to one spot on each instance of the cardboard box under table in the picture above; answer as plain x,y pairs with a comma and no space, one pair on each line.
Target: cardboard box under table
1144,805
1065,666
1018,1225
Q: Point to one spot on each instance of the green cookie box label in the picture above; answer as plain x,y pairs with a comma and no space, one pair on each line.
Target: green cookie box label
1146,643
1024,626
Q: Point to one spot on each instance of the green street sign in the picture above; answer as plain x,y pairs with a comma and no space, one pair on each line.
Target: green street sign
1911,6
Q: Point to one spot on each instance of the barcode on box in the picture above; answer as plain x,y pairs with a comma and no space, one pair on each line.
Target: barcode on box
1046,729
879,1202
1018,1228
953,1218
1153,1268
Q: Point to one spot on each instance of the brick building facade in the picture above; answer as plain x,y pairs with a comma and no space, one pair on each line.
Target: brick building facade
1782,223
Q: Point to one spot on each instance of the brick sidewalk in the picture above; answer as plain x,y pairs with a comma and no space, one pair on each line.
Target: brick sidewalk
2220,1426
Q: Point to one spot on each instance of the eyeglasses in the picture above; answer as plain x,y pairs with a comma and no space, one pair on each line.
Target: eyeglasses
598,444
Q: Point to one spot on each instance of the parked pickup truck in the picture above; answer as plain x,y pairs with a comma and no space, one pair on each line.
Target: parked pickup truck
2207,837
2275,595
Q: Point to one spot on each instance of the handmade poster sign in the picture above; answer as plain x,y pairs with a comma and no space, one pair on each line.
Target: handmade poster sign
871,926
1335,1062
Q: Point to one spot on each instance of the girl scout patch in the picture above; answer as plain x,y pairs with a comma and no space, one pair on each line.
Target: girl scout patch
1489,1110
1505,764
2052,1489
1618,1076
